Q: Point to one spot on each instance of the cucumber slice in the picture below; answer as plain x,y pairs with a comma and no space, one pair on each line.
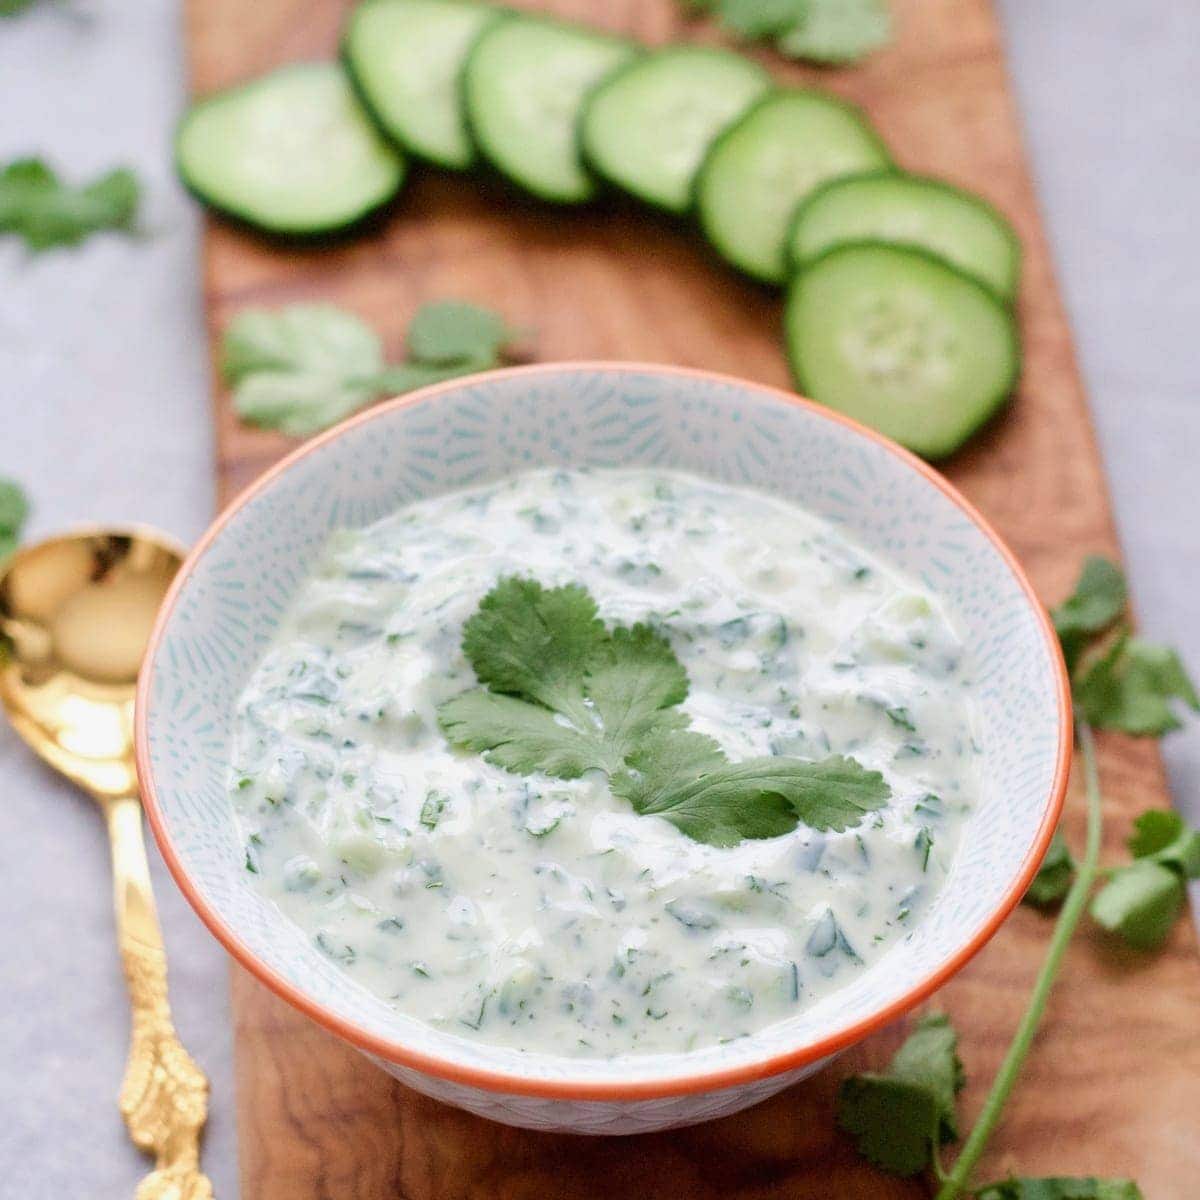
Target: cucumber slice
292,152
406,58
763,166
907,210
525,82
647,127
902,341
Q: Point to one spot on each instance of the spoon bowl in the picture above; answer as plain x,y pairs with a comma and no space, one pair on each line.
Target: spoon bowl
75,615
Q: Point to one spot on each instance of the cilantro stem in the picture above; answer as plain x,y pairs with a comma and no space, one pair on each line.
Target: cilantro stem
1064,927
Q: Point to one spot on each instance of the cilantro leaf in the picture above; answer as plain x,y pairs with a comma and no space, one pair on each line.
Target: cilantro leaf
1053,880
1098,600
1131,688
1140,903
14,508
759,18
450,332
835,32
1132,685
37,206
298,404
1162,836
631,680
1060,1188
564,695
684,777
408,376
316,339
890,1121
305,367
518,736
300,369
830,32
930,1057
536,642
301,404
898,1116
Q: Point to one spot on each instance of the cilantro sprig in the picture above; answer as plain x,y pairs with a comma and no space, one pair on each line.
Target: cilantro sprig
563,694
1137,687
1120,683
304,367
43,210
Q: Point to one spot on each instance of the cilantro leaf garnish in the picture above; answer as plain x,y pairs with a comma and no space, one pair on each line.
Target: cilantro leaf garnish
518,736
1053,880
1061,1188
897,1117
37,206
304,367
564,695
684,777
14,508
535,642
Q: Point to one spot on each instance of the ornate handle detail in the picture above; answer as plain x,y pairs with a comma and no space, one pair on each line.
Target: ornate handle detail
164,1095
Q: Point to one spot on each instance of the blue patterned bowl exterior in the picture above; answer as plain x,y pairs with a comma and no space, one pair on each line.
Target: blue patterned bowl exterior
229,598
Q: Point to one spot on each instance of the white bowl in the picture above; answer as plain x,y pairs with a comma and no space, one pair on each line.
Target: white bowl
228,597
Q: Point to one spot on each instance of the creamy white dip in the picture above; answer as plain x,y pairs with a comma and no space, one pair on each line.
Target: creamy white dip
546,915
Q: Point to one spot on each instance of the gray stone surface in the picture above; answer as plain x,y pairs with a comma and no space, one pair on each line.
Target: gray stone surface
103,400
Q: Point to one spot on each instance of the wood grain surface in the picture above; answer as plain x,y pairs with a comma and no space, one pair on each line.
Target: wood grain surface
1113,1086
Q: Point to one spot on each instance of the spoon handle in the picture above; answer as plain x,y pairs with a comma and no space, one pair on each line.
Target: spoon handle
164,1095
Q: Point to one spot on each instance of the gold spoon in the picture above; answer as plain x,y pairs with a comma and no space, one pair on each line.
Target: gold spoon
75,615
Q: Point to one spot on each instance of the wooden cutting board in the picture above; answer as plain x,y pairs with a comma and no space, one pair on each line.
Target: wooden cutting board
1113,1087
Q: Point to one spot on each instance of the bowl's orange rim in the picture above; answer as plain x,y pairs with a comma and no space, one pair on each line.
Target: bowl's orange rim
584,1089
